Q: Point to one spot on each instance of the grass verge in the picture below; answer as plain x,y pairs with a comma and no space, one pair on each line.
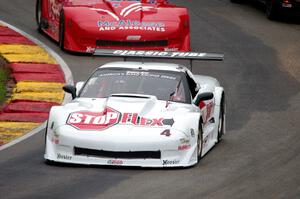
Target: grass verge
3,80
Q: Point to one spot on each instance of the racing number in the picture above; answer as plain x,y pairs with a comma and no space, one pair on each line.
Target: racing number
166,133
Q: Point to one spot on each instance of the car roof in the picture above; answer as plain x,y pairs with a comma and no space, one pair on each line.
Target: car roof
146,66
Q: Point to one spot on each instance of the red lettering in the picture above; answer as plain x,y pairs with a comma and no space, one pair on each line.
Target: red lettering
126,118
157,122
134,118
143,121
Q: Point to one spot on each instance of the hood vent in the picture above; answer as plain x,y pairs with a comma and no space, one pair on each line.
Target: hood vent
131,96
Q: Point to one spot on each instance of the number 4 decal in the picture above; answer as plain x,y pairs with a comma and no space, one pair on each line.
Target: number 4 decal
166,133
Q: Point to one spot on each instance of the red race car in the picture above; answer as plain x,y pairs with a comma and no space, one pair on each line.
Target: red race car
87,25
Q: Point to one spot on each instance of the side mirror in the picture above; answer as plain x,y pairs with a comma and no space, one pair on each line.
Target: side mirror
203,97
70,89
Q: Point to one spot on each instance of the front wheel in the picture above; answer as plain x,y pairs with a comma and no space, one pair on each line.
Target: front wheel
221,125
199,143
62,31
38,14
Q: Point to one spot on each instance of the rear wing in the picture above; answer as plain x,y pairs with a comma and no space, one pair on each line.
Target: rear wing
191,56
159,54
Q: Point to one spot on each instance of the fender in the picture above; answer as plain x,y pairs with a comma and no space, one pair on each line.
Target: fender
187,121
59,115
218,95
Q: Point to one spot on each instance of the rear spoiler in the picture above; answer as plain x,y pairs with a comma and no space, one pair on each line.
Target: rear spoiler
159,54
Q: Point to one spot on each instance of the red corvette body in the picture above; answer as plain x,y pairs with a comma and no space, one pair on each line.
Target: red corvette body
86,25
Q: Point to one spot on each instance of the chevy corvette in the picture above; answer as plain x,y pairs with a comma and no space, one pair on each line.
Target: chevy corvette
137,114
86,25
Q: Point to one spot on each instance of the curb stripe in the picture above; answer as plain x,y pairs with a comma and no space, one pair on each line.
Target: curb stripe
29,58
21,49
38,87
27,94
28,106
5,31
24,117
56,97
38,77
15,40
35,68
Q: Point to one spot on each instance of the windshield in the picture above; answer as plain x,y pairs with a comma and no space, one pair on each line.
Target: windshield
165,85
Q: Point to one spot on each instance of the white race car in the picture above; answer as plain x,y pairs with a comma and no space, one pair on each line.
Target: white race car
137,114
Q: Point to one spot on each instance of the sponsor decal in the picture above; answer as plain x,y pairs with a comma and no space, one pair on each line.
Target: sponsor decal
184,141
131,25
158,53
192,133
64,157
55,137
115,162
184,147
55,140
90,49
94,120
171,49
109,117
119,24
170,162
133,37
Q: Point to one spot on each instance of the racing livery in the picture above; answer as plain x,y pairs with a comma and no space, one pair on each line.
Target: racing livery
86,25
137,114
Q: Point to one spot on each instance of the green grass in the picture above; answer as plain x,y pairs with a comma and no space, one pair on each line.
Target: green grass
3,80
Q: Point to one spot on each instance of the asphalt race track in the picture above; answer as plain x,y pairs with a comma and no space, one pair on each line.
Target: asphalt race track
258,158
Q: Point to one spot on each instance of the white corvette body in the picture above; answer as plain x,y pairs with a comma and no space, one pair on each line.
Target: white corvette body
137,128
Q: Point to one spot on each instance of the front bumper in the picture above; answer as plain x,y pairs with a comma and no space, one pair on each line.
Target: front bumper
70,147
86,38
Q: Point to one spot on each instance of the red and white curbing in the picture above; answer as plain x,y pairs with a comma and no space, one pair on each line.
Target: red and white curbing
39,73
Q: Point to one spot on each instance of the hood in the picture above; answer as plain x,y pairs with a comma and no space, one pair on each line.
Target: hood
114,10
123,109
126,21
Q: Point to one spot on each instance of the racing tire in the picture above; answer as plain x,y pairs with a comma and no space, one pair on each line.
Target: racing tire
62,31
45,139
38,14
199,142
221,125
50,162
271,10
